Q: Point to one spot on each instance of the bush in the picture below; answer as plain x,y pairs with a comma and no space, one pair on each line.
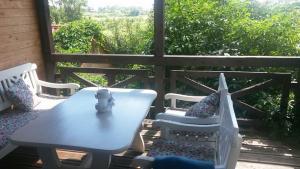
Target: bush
77,36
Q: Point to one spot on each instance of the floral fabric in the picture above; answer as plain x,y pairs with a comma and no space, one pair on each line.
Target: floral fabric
21,96
162,147
12,120
207,107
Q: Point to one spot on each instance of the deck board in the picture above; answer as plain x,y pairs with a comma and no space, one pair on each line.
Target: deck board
258,152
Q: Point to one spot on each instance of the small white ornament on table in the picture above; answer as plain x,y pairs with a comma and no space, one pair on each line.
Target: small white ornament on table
105,101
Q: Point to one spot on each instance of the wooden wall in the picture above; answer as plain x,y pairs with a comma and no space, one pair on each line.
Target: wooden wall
19,35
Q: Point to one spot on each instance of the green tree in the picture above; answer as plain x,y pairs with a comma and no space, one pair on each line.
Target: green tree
77,36
66,10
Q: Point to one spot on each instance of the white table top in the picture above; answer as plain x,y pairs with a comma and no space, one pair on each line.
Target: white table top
74,124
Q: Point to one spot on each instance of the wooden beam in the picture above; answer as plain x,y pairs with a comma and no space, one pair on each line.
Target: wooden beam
237,61
196,85
126,81
159,35
285,92
105,58
167,60
252,111
160,74
252,89
297,104
82,80
46,38
235,74
140,72
173,79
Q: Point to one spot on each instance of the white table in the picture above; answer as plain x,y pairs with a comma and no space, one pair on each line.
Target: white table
75,125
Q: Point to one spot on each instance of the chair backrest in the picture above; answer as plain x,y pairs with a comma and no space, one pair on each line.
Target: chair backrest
173,97
228,135
7,77
222,82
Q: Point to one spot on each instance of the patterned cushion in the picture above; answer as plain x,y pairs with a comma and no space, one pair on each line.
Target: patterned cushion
206,107
162,147
12,120
21,96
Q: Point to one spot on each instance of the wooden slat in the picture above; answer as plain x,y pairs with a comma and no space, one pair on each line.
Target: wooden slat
9,47
140,72
16,4
4,13
82,80
19,29
252,112
31,54
235,74
252,89
196,85
125,82
237,61
17,21
14,38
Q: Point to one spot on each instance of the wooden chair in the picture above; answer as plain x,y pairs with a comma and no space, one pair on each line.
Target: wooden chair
177,114
28,73
219,143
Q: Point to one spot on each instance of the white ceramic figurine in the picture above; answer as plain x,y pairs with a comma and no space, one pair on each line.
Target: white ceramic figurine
105,101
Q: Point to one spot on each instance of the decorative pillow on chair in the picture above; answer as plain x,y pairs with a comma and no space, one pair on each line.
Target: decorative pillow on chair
206,107
21,96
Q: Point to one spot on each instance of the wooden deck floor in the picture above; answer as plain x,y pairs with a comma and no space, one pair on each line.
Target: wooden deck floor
257,152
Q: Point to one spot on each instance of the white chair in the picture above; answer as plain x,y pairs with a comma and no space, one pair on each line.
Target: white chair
177,114
219,143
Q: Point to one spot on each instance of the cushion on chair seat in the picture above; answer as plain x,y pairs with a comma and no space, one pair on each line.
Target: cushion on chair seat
162,147
176,112
10,121
207,107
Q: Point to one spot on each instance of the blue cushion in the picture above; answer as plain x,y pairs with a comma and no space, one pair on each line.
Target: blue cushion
175,162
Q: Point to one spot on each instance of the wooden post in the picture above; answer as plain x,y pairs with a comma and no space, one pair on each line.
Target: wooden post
297,103
285,96
160,68
111,79
173,79
43,13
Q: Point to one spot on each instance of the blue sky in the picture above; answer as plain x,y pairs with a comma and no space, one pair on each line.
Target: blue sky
145,4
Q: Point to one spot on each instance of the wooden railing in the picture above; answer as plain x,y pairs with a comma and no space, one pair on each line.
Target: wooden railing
270,80
148,78
141,75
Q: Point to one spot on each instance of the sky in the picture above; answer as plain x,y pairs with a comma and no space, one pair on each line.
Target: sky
145,4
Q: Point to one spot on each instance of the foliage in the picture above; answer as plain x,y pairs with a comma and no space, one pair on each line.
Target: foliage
127,35
77,36
62,11
211,27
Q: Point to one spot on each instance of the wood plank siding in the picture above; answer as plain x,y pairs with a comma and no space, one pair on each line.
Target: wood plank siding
19,35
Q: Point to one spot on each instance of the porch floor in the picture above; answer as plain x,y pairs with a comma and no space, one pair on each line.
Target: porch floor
257,152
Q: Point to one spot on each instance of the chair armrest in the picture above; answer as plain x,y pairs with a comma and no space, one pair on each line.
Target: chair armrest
71,86
187,119
183,97
185,127
174,97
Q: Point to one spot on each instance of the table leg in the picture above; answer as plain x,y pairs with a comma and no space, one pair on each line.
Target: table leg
138,142
100,161
49,158
94,160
